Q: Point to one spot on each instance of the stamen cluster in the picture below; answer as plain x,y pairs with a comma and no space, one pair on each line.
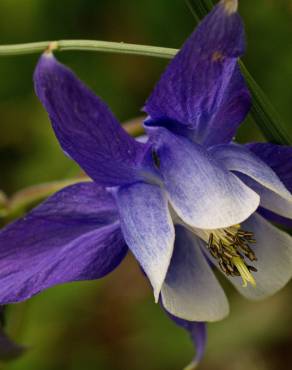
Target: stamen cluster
230,247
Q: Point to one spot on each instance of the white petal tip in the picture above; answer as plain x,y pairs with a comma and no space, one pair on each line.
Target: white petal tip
230,6
156,296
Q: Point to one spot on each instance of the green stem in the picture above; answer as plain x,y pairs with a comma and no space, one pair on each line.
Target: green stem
88,45
26,198
263,112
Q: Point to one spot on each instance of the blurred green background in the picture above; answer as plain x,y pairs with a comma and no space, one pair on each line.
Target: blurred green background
114,324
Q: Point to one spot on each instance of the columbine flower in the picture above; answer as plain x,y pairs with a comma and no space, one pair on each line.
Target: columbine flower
185,199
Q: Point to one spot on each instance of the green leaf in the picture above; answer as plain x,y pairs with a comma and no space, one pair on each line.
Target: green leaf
262,112
199,8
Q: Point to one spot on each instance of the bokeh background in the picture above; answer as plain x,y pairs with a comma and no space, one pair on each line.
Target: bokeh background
113,324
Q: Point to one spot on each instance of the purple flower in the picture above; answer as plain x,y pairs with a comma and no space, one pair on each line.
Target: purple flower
185,200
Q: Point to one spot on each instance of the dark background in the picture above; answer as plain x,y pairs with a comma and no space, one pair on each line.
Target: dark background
113,324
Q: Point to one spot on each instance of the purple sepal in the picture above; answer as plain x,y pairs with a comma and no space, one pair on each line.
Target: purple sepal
73,235
234,107
202,89
85,127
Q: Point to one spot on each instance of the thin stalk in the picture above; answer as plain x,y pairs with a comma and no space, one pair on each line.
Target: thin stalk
88,45
262,111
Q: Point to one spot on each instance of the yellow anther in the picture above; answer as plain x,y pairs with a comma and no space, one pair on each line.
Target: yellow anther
230,247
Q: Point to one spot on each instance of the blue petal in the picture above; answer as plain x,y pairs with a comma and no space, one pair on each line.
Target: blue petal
147,228
274,194
202,192
202,89
273,249
240,159
85,127
191,290
278,157
198,333
74,235
270,200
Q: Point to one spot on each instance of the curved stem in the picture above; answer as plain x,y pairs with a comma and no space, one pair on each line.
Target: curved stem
89,45
263,112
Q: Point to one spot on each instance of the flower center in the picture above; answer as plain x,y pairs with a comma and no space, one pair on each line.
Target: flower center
231,248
